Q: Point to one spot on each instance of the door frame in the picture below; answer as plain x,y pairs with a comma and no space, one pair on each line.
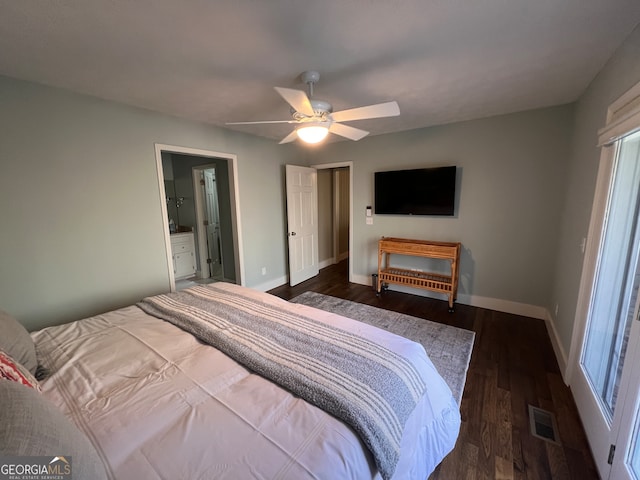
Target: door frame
623,118
349,165
232,161
588,406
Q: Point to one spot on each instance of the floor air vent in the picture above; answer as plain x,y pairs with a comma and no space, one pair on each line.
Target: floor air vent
543,424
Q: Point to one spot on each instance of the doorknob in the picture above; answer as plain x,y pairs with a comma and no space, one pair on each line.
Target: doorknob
293,234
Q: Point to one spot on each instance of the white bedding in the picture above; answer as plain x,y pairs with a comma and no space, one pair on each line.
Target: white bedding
157,403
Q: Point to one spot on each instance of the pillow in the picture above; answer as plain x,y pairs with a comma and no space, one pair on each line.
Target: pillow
33,426
13,371
16,341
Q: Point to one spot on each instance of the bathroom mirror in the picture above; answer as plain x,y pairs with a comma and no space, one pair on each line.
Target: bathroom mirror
172,206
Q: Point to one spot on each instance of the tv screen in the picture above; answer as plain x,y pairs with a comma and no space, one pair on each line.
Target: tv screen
423,191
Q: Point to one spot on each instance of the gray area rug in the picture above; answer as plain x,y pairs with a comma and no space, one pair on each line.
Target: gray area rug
449,348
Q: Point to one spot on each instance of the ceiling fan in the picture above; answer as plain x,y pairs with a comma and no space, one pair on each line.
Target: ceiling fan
316,118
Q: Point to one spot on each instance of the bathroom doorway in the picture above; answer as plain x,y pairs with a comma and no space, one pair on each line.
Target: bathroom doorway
180,188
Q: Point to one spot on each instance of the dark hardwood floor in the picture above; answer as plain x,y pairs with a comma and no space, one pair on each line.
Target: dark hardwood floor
512,365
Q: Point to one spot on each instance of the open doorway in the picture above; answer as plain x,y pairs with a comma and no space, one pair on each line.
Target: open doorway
335,214
185,220
208,190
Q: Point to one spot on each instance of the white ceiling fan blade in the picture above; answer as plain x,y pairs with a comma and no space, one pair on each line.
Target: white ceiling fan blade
261,121
289,138
297,99
388,109
346,131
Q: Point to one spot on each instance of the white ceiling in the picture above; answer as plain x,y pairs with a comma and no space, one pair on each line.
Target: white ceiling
217,61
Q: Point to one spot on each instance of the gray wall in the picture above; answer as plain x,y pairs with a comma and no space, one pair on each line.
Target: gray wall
619,75
80,203
511,181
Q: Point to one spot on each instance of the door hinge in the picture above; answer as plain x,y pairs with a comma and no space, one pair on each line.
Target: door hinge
205,223
209,260
612,452
202,182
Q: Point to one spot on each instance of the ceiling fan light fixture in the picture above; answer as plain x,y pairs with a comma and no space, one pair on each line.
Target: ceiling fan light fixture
312,133
315,118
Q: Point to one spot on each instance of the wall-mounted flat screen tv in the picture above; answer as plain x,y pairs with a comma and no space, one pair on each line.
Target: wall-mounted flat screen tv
423,191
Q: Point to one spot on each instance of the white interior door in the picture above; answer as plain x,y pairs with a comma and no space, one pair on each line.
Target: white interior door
626,461
603,384
302,223
212,212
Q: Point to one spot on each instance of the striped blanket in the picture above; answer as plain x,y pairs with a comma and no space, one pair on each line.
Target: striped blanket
364,384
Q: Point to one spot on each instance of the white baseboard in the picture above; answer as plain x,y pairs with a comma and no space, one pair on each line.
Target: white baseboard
362,279
329,261
561,355
325,263
507,306
271,284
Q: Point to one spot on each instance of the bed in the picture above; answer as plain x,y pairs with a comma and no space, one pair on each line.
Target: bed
160,401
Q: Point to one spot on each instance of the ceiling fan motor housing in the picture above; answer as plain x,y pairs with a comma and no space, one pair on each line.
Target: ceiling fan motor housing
320,108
